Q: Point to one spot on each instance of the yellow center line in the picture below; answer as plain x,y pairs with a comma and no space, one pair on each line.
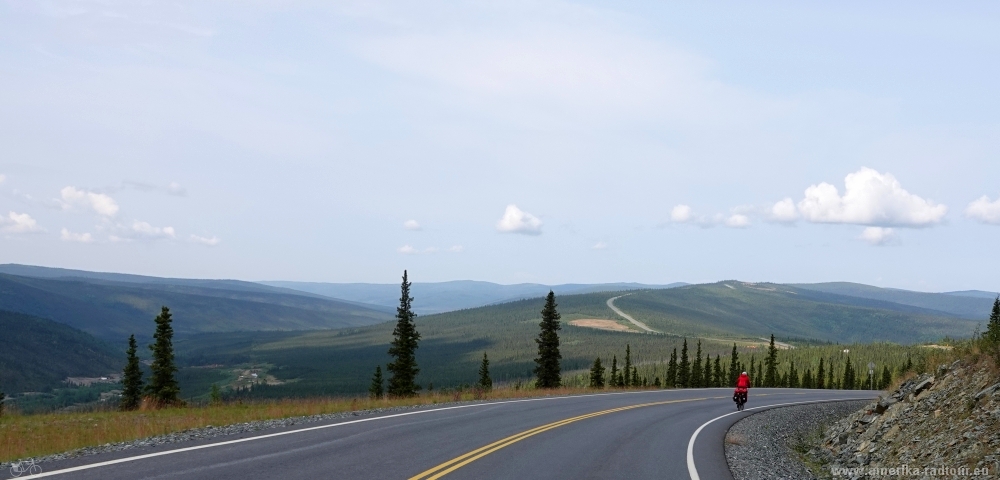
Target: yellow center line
459,462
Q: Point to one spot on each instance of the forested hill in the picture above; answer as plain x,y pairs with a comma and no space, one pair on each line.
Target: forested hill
37,354
113,310
971,304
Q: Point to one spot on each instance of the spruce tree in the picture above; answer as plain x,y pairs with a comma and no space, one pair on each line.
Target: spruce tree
684,367
671,379
760,372
485,382
992,335
819,375
886,377
696,369
793,376
718,375
403,349
613,381
734,366
848,382
706,374
547,369
635,377
163,386
771,361
829,378
597,374
628,366
807,379
131,378
375,389
754,378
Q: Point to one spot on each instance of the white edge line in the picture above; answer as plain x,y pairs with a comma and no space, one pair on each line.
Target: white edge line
319,427
693,472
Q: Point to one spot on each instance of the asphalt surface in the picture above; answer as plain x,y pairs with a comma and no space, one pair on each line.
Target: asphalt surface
634,442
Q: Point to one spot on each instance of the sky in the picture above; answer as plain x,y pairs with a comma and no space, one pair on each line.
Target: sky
541,141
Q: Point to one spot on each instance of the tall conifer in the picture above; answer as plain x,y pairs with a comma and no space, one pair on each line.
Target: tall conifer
163,386
485,382
131,378
696,369
628,366
597,374
684,367
671,379
734,370
375,389
771,378
820,381
403,349
547,370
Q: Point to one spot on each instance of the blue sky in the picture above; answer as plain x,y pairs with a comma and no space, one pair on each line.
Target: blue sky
510,142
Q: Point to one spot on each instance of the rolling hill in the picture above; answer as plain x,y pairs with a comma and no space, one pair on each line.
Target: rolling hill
971,304
449,296
113,310
38,354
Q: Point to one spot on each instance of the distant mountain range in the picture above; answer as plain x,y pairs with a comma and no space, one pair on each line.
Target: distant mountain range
455,295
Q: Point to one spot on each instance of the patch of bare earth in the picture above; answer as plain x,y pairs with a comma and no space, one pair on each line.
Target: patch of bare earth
609,325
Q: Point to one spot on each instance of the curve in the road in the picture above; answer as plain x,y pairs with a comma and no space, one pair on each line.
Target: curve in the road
611,305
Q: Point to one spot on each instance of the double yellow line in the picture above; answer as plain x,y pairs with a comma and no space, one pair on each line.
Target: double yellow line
459,462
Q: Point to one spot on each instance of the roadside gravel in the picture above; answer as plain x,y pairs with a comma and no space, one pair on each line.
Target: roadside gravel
766,445
238,429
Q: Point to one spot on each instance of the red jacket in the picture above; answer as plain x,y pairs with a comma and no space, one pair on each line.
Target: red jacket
743,381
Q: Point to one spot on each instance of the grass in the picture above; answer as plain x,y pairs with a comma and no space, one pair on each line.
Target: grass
24,436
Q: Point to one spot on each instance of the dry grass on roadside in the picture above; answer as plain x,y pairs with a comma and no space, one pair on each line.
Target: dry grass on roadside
23,436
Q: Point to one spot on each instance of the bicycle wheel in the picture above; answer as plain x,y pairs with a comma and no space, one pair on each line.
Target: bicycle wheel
15,471
34,470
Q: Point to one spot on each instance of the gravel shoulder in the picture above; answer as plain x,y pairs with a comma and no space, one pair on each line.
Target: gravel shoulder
770,445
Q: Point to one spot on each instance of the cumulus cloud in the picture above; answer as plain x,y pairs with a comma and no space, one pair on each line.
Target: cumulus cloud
878,236
870,198
738,221
145,230
412,225
207,241
784,212
681,213
19,223
600,246
517,221
68,236
984,210
99,202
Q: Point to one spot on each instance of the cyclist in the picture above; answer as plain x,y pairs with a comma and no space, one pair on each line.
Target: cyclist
742,386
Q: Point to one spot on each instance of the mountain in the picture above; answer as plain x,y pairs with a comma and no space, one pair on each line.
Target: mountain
38,354
113,310
972,304
449,296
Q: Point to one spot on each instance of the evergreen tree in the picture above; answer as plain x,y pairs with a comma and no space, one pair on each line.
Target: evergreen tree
628,366
131,378
162,384
734,367
614,371
793,376
771,361
886,377
992,336
404,346
706,375
375,389
215,394
671,380
718,374
807,379
656,382
547,368
760,371
819,375
597,374
755,379
635,377
848,382
829,377
485,382
684,367
696,369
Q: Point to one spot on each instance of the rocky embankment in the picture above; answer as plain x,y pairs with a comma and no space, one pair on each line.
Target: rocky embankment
945,425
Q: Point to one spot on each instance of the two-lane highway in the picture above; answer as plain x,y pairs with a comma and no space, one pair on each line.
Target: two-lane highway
609,435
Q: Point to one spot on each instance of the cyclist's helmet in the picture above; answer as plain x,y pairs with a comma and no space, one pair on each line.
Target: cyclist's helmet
744,373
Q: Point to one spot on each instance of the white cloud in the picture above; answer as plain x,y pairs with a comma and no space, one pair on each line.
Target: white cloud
176,189
99,202
784,212
145,230
600,246
984,210
456,249
738,221
68,236
517,221
412,225
681,213
409,250
870,198
19,223
207,241
878,235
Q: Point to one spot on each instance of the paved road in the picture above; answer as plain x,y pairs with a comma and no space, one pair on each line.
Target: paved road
611,305
617,435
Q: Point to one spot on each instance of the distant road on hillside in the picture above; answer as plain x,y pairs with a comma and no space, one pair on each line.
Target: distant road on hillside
611,305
